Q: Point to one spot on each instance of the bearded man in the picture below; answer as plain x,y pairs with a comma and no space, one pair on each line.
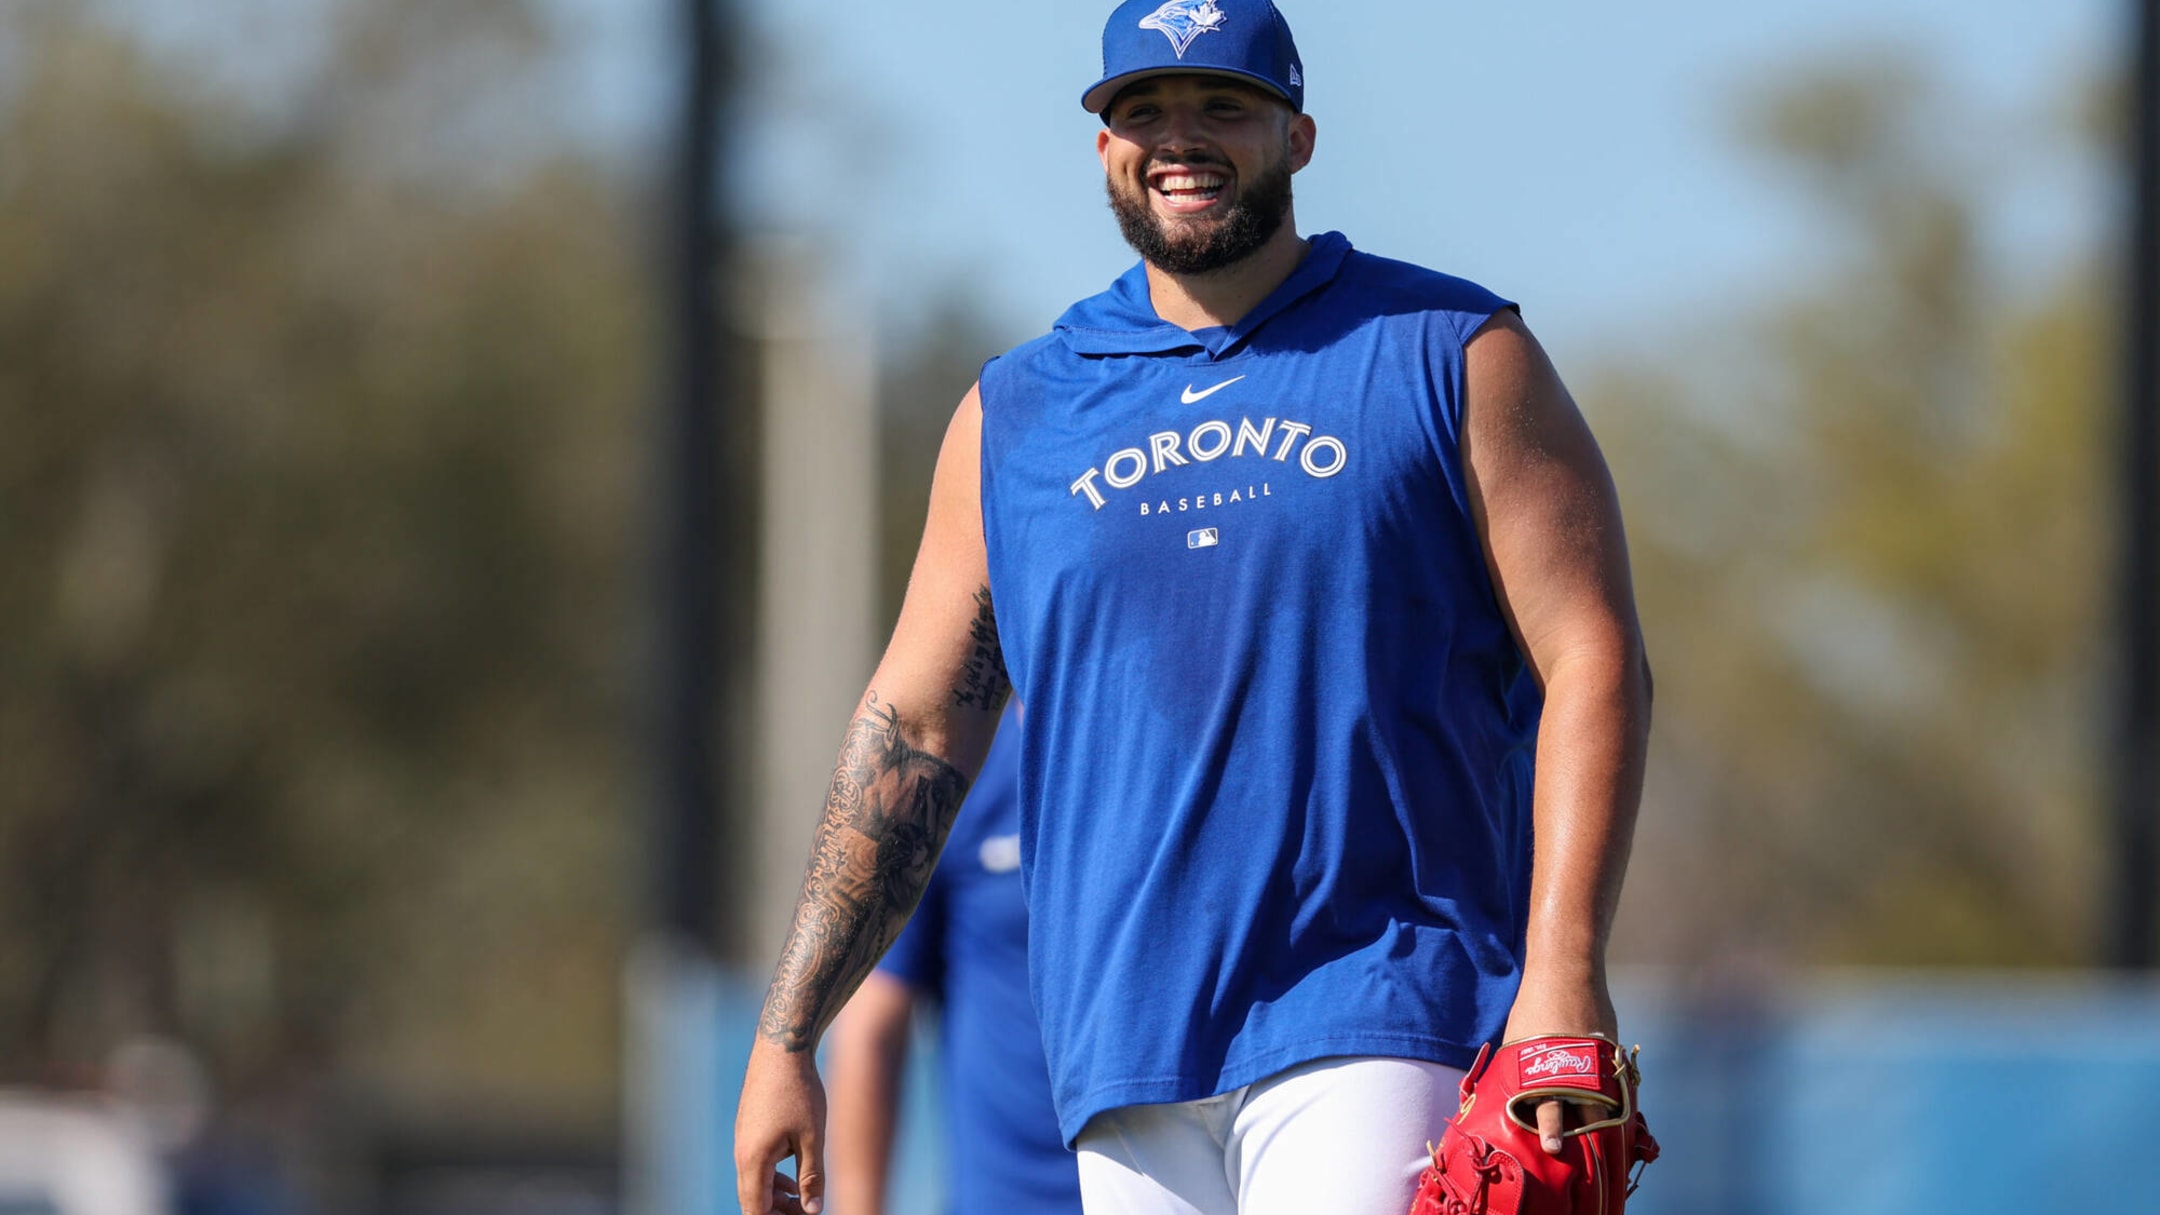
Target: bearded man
1313,581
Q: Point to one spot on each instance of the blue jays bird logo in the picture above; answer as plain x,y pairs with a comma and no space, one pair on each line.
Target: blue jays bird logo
1181,21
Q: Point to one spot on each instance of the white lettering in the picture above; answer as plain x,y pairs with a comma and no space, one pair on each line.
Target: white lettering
1086,485
1322,457
1257,438
1342,456
1292,432
1221,429
1143,510
1563,1063
1166,453
1119,480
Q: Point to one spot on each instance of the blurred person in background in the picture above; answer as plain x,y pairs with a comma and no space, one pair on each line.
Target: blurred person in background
1299,556
964,951
212,1166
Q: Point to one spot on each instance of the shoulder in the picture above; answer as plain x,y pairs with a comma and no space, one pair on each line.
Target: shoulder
1004,377
1014,383
1027,354
1392,286
1509,369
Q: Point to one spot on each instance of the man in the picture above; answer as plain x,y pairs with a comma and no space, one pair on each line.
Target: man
966,949
1299,557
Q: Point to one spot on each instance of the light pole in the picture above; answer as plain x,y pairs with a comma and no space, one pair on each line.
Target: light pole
2134,937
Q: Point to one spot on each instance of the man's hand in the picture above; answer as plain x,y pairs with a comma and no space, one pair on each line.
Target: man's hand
1547,1005
1492,1161
782,1115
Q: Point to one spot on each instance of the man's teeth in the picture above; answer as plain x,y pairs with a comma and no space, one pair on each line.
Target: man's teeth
1190,183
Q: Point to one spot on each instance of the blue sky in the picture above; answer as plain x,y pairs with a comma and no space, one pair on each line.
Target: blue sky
1578,156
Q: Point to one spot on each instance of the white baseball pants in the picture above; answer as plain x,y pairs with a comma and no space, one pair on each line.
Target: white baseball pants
1341,1136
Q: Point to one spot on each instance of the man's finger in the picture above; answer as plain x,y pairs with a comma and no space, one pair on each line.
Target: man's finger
810,1173
1551,1118
786,1199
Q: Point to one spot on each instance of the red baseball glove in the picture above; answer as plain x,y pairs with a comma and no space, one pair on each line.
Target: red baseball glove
1490,1160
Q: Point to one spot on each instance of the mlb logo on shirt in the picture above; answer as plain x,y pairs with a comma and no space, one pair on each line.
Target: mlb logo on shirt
1206,537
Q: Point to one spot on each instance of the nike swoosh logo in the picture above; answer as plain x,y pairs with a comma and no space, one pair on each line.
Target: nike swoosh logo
1190,397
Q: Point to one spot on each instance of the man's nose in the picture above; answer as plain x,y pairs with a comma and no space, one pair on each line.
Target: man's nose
1184,130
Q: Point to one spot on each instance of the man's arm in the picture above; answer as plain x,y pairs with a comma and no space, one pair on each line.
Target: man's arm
1547,511
918,737
869,1053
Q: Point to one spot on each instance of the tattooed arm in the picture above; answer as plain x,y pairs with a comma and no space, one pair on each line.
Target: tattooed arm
885,821
917,739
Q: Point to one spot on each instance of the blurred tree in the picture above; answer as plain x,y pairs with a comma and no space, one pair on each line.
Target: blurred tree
320,418
1869,542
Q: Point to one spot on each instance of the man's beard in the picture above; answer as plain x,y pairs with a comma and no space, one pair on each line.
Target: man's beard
1166,244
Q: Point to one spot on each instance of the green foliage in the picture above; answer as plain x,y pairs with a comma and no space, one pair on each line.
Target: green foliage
1869,549
314,491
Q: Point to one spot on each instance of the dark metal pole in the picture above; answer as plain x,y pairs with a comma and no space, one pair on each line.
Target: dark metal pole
2135,938
674,1074
684,836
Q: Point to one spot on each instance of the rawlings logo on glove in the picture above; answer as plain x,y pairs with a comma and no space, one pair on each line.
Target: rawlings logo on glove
1561,1060
1490,1160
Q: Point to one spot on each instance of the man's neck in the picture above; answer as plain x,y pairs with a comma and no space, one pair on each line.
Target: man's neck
1223,297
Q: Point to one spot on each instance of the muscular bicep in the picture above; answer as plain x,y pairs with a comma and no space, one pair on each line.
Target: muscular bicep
944,661
1544,504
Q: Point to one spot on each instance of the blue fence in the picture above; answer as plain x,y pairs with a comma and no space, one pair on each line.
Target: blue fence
1867,1095
1860,1094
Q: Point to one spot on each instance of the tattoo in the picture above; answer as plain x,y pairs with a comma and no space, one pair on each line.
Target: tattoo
983,682
886,818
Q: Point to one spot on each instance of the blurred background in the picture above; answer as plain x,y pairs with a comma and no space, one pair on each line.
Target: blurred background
432,585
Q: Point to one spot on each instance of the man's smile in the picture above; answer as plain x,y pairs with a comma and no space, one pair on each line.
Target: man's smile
1188,190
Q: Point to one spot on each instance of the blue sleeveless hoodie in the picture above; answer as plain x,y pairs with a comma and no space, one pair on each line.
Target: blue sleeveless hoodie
1275,786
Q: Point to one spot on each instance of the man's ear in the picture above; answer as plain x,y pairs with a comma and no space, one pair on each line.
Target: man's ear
1302,134
1102,148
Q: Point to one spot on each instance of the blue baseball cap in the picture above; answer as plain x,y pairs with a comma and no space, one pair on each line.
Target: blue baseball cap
1247,39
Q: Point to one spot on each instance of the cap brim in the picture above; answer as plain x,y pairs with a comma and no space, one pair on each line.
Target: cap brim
1098,99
